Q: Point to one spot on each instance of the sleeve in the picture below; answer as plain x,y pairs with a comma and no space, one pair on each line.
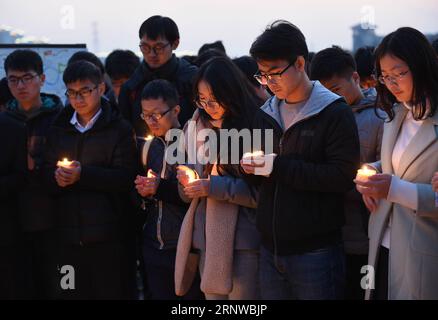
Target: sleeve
168,192
403,192
233,190
426,201
121,175
336,174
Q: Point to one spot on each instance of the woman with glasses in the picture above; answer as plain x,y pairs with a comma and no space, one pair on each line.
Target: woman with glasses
403,226
219,226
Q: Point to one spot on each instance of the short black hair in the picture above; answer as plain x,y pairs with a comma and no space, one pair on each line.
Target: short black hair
207,55
121,64
87,56
156,26
365,61
24,60
435,46
280,41
82,70
249,67
161,89
218,45
332,62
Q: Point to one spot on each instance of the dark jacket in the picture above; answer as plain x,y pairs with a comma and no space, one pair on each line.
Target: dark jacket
165,211
36,206
177,71
301,204
12,175
96,208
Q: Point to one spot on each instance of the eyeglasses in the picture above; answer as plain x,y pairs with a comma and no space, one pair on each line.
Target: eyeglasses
392,79
154,116
83,93
158,49
265,78
26,79
203,104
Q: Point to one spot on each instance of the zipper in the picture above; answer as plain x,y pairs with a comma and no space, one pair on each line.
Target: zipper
160,203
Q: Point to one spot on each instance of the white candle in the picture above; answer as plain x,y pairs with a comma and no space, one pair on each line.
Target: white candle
65,163
150,175
189,172
256,156
364,173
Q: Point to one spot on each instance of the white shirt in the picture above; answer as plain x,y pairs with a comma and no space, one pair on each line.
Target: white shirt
401,191
74,121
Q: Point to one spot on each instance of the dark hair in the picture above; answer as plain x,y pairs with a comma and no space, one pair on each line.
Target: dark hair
207,55
82,70
332,62
249,67
24,60
161,89
218,45
365,61
435,46
233,91
121,64
411,46
280,41
156,26
87,56
5,93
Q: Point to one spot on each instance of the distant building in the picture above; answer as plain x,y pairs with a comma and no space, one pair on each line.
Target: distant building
368,37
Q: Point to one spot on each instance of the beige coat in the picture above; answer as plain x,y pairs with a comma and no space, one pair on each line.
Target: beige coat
413,257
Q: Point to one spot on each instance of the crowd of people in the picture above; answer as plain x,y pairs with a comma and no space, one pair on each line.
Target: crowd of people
86,181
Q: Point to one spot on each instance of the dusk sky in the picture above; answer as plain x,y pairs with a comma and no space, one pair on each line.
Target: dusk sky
236,22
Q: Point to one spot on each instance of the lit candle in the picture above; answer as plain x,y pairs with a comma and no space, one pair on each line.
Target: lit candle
189,172
364,173
256,156
149,137
150,175
65,163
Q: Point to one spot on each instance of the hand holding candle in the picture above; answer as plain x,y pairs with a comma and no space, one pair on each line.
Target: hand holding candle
65,163
147,186
364,173
258,163
68,172
371,184
185,175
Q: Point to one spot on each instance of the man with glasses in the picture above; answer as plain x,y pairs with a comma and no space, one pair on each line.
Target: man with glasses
36,111
159,37
301,206
92,189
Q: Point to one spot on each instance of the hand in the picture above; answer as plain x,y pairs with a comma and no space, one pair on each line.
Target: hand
435,182
184,175
197,189
67,176
376,186
249,168
370,203
147,186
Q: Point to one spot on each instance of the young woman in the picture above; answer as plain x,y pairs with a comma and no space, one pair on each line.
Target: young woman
220,223
403,227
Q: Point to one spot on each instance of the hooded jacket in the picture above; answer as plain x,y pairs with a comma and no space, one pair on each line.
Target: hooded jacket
35,205
301,203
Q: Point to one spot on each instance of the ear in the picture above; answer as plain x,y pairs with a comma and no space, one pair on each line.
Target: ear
101,88
42,79
300,64
356,78
175,44
176,110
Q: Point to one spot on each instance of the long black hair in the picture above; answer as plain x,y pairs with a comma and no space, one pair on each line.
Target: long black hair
411,46
233,92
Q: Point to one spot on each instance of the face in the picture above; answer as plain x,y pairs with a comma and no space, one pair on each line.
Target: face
157,52
347,88
398,78
210,105
25,86
168,116
117,85
290,79
84,96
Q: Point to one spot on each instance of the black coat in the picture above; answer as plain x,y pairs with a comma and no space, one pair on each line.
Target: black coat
301,204
35,204
177,71
96,208
12,175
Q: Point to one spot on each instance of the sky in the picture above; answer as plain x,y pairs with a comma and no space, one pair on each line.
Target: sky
108,25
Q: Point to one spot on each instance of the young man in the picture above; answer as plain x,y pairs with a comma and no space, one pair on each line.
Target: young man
92,192
365,62
36,111
159,37
158,188
120,66
12,178
336,70
300,209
